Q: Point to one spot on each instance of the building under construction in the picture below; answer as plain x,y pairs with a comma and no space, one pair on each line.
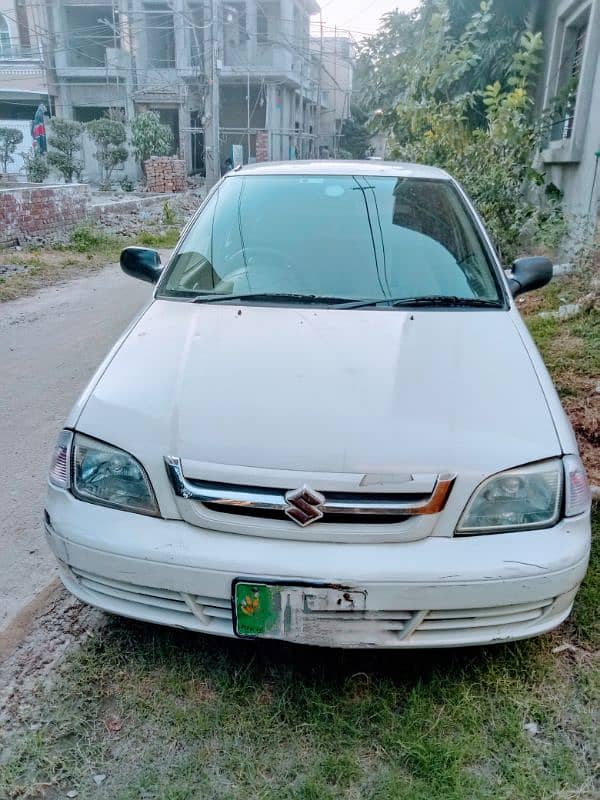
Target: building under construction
241,80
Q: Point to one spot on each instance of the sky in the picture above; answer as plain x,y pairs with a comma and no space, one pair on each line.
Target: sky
360,15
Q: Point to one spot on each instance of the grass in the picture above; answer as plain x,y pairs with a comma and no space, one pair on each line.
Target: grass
168,715
570,347
88,249
167,239
586,617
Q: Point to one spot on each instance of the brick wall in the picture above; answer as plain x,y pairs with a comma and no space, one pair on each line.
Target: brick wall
262,146
36,210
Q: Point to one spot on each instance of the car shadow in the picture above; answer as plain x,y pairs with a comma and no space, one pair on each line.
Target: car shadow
265,660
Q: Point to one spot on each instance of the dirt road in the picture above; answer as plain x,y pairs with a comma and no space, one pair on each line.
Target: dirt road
50,345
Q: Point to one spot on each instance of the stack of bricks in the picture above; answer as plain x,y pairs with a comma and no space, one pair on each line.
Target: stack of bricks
165,174
262,146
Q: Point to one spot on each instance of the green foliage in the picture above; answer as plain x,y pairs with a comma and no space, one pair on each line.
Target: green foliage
481,37
167,239
110,137
356,137
168,214
150,137
9,139
126,184
586,619
85,240
65,138
433,75
37,168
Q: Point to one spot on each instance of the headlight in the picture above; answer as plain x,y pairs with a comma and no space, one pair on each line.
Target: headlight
520,499
98,473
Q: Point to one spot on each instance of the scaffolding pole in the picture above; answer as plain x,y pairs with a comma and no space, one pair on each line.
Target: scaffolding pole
213,160
318,119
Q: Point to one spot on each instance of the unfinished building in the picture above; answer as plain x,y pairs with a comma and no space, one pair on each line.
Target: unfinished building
171,56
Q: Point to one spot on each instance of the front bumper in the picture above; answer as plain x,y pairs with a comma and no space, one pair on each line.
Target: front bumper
438,592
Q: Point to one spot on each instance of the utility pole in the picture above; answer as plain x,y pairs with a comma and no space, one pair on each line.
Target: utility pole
213,160
335,97
318,119
248,115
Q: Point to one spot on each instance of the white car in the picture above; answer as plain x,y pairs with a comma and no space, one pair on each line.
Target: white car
330,426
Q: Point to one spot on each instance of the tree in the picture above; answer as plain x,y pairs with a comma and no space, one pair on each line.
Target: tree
36,167
356,137
9,139
386,60
110,136
65,138
150,137
439,112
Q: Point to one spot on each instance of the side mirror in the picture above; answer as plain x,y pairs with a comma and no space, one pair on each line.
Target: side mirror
530,273
141,263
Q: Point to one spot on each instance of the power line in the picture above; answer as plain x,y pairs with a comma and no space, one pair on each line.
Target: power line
130,79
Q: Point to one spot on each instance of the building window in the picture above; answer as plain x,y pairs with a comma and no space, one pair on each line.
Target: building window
90,113
23,24
262,26
160,36
573,50
235,33
90,30
5,48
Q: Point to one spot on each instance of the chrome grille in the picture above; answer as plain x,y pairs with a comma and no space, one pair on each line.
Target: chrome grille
338,507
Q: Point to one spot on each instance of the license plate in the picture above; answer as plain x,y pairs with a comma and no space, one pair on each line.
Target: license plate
296,613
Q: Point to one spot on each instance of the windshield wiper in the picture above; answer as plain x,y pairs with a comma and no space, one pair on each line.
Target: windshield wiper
429,301
266,296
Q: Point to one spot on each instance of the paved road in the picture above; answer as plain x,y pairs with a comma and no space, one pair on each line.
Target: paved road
50,345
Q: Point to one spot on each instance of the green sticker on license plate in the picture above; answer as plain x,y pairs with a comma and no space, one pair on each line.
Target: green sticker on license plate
257,608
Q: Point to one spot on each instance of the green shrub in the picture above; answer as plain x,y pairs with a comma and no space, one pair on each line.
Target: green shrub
65,138
167,239
109,136
127,184
9,139
84,240
439,114
168,214
37,168
150,137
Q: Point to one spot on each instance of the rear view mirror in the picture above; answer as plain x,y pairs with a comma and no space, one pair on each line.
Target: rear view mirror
530,273
141,263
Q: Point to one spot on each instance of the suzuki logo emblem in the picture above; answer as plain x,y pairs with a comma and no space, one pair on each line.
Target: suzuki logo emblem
305,506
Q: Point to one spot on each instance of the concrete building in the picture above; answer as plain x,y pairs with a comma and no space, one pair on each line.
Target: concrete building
23,83
571,85
334,56
239,71
268,86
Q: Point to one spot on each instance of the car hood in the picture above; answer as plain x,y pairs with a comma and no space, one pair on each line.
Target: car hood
377,392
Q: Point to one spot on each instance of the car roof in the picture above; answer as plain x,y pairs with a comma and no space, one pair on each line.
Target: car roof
394,169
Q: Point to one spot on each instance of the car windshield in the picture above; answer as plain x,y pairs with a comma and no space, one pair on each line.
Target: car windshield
333,239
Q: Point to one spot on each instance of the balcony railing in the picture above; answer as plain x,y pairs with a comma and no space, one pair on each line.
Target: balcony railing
19,53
